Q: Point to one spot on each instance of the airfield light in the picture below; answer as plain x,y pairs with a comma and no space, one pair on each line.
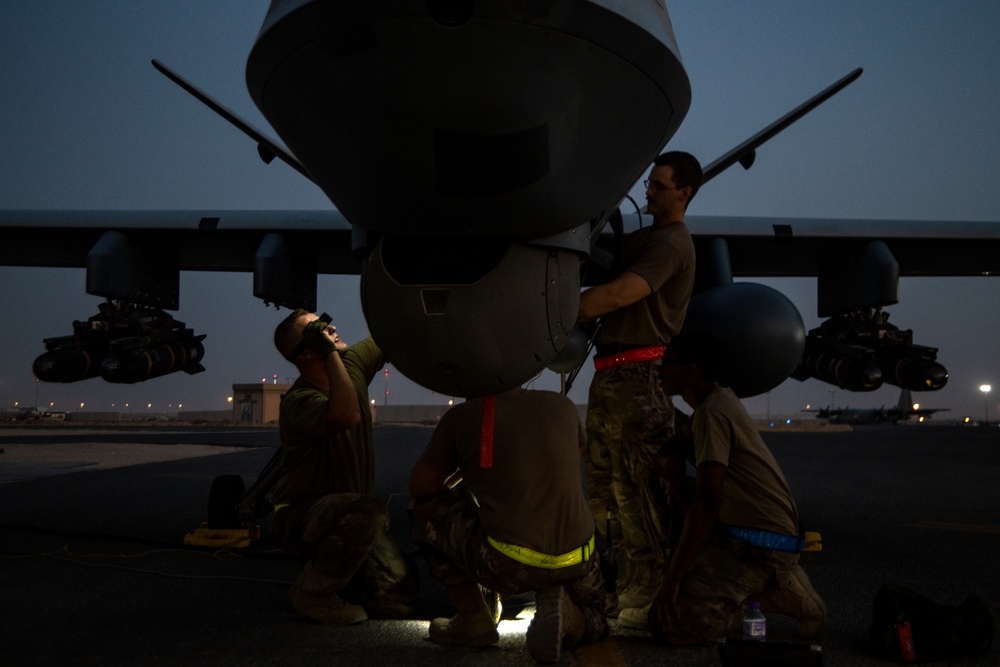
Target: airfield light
81,406
916,406
229,399
985,388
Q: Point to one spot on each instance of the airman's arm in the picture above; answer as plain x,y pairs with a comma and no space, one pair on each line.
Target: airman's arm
342,409
425,482
698,525
624,290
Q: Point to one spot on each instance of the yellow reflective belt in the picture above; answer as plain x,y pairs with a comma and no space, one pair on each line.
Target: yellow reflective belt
279,506
536,559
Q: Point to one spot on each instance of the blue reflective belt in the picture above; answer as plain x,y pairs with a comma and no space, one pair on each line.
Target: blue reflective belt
767,539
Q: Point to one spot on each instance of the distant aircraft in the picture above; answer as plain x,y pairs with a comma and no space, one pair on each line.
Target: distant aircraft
467,149
30,414
904,409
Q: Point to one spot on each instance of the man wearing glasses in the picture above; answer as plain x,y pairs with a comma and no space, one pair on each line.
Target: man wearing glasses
628,416
324,511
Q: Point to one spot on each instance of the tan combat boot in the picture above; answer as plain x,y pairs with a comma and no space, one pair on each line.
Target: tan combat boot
326,608
636,618
544,638
799,601
647,579
466,628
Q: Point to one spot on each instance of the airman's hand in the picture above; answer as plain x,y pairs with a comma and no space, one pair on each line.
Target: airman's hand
317,338
665,607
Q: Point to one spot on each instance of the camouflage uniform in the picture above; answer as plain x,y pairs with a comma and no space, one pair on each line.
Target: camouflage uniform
343,547
449,532
326,514
755,496
728,573
628,420
628,415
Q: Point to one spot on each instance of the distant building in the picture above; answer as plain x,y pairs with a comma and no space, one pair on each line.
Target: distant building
257,403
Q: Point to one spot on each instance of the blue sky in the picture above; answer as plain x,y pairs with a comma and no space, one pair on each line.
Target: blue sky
88,123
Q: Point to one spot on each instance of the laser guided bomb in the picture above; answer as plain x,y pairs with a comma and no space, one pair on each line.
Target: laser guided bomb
860,351
134,360
123,343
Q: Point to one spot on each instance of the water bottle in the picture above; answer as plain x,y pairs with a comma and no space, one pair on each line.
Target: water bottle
754,623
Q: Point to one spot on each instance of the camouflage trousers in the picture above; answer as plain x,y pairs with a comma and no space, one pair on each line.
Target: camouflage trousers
343,548
714,595
628,420
448,531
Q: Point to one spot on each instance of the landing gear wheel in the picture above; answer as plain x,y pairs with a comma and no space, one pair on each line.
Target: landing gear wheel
223,501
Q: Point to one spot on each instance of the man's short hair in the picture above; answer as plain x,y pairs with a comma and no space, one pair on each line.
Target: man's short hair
286,335
687,169
701,349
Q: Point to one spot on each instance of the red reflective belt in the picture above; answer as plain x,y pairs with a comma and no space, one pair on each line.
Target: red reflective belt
629,357
486,434
906,642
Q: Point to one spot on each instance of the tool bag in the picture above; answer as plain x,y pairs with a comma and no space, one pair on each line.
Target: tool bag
909,627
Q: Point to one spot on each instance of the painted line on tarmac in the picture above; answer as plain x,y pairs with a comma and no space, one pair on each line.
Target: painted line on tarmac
604,653
961,527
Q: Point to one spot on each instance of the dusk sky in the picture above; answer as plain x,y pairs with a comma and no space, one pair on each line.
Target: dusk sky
87,123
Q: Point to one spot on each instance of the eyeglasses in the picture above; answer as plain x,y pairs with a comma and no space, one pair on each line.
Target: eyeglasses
659,187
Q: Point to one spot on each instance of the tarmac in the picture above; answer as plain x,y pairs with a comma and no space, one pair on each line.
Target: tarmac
93,567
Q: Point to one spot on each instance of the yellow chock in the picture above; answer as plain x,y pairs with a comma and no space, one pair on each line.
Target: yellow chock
813,541
231,538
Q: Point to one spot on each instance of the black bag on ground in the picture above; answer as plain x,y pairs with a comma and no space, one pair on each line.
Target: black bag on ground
909,627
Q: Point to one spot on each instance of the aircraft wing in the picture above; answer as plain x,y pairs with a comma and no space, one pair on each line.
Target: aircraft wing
136,257
927,412
228,240
187,240
804,247
788,247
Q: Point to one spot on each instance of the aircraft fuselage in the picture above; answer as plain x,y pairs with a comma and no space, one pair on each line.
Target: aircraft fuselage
431,124
515,119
